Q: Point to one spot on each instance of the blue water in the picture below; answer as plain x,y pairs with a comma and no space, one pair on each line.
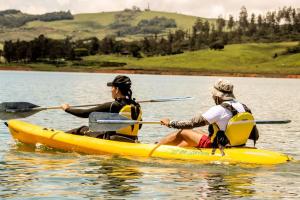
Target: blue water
42,173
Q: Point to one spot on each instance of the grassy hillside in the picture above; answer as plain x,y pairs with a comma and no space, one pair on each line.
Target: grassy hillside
87,25
238,58
184,22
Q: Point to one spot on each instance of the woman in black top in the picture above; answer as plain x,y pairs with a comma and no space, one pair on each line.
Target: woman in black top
122,95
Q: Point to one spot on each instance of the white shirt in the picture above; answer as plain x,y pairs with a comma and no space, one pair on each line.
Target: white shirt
219,115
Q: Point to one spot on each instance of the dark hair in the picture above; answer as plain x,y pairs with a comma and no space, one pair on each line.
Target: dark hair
126,91
123,83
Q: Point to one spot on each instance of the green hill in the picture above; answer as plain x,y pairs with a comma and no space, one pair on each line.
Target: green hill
248,58
90,24
235,60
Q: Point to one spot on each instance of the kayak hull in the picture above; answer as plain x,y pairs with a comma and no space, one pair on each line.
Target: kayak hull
32,134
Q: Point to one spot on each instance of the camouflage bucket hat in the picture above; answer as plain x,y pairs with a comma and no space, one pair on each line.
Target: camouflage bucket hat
223,89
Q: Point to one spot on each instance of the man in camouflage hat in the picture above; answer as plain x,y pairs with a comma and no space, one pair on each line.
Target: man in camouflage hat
220,114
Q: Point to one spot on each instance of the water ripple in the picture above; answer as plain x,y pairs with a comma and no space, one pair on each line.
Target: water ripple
40,172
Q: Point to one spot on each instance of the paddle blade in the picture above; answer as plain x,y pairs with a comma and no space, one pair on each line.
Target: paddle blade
105,124
14,110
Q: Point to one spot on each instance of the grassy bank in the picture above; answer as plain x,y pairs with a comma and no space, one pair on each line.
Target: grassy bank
237,59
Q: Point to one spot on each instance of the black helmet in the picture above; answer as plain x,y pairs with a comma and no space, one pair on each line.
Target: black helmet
121,82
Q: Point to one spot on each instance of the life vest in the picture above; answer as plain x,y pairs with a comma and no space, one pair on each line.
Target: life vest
239,128
132,112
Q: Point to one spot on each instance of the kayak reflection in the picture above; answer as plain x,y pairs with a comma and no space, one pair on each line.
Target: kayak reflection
116,178
238,185
218,182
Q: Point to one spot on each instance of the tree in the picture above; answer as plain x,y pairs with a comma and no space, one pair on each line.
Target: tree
94,46
206,29
271,22
213,35
107,45
164,47
230,23
197,26
146,47
68,47
243,19
1,54
297,23
8,51
179,35
192,44
134,49
221,23
252,25
259,21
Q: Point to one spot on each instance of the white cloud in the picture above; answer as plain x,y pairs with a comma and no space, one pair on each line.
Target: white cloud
35,9
217,10
63,2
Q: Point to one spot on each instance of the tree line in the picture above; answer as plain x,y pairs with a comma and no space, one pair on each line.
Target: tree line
281,25
122,23
153,26
15,18
275,26
43,49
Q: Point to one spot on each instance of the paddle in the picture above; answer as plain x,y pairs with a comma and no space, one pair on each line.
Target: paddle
273,121
13,110
114,121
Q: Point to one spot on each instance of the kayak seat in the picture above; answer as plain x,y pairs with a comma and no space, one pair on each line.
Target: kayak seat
121,139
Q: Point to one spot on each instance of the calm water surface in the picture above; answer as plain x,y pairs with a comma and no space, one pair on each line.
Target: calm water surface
35,173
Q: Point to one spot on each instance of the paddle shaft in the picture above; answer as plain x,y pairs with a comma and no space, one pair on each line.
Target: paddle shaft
143,101
272,121
59,107
113,121
126,122
15,110
110,122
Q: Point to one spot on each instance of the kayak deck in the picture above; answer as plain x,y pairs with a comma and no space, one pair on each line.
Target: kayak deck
33,134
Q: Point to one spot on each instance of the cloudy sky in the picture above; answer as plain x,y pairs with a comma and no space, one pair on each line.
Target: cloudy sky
202,8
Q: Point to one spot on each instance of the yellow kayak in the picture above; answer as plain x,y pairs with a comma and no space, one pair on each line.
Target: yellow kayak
33,134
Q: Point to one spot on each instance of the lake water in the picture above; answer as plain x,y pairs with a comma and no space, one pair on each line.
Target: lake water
27,173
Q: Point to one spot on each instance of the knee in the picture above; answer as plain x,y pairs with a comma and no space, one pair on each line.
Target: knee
184,132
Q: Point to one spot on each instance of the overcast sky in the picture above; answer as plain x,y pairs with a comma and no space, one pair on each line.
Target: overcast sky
201,8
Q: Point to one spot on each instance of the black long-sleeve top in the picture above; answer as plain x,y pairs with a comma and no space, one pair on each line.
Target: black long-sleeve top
112,107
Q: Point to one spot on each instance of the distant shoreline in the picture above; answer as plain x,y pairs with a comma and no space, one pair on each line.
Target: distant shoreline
157,72
236,60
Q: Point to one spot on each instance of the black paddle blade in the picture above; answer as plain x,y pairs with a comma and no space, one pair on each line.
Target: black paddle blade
14,110
95,126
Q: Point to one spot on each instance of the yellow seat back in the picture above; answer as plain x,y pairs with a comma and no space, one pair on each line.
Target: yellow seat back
129,130
239,128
